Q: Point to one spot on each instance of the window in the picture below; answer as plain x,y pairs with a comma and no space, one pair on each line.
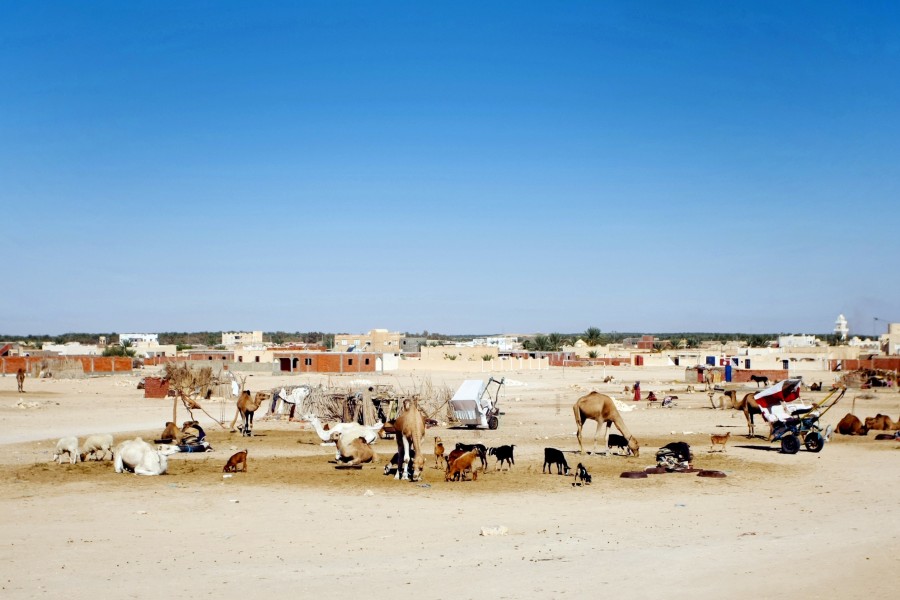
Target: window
307,362
256,359
350,361
367,361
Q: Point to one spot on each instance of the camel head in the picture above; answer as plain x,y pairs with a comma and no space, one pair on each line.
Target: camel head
634,446
418,466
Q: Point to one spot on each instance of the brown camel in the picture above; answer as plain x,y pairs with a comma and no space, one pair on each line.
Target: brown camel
881,422
602,409
20,379
746,405
851,425
410,426
246,406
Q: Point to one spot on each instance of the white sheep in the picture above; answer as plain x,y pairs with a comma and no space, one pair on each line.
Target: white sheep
67,445
97,446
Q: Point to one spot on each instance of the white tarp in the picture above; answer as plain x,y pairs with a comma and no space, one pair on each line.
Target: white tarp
467,403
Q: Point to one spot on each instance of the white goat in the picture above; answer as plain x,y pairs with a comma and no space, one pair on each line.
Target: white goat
96,446
138,456
67,445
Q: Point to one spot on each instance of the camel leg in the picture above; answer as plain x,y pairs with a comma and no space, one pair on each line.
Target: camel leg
579,424
601,432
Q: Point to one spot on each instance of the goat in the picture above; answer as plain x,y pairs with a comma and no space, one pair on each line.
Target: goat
482,452
238,459
582,474
457,470
503,453
97,445
391,467
718,440
552,456
67,445
618,441
438,452
20,380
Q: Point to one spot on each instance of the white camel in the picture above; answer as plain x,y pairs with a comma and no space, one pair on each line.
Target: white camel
351,430
140,458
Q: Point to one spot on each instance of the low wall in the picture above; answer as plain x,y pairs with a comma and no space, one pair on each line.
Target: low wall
90,365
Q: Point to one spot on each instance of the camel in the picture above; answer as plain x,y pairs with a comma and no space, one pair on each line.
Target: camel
352,430
140,458
602,409
245,408
746,405
410,426
851,425
20,380
881,423
171,433
354,450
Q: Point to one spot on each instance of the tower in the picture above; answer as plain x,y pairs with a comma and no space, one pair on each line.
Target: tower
841,328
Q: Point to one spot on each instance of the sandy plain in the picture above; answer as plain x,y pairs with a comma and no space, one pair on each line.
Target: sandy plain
778,526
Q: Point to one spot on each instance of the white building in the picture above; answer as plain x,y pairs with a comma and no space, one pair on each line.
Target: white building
797,341
841,329
242,338
72,349
136,338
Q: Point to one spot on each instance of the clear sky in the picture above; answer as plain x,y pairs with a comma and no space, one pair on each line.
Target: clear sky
461,167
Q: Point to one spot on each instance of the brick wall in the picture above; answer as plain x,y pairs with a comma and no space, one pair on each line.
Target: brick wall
90,364
156,387
774,375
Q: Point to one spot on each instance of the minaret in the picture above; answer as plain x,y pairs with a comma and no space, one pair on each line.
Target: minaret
840,328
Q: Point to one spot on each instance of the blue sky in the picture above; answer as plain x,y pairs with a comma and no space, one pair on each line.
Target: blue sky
460,168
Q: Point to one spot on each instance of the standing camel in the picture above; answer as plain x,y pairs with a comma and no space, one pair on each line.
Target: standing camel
410,428
246,406
20,379
602,409
746,405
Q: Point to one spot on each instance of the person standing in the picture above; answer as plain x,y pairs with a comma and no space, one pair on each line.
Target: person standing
637,391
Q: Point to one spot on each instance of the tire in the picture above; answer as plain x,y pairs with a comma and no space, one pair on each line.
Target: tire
814,441
470,426
493,423
790,444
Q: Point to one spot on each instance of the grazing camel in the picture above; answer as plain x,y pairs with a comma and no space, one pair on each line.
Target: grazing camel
602,409
20,380
410,426
246,406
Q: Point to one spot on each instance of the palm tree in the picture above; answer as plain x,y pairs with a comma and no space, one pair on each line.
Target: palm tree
541,343
593,336
556,341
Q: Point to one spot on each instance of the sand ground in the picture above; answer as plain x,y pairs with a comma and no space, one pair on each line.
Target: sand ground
777,526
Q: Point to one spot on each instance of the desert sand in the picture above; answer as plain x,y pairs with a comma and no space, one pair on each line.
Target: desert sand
777,526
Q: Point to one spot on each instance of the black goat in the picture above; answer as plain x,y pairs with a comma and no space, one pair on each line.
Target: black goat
552,456
618,441
582,474
503,453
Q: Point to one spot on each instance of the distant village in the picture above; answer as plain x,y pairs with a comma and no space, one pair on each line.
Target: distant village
381,350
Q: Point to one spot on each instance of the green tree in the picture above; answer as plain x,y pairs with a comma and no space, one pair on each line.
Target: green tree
593,336
123,350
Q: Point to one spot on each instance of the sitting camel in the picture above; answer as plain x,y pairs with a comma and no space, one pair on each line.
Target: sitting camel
171,433
246,406
851,425
20,380
602,409
881,423
352,430
356,451
140,458
410,426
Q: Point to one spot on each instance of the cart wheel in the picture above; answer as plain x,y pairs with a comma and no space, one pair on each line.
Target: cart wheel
470,426
790,444
493,423
814,441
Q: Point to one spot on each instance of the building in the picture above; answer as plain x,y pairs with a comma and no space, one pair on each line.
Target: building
377,340
135,338
841,328
242,338
890,341
797,341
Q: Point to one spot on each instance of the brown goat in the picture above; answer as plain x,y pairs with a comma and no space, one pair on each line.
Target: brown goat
718,440
438,452
457,470
238,459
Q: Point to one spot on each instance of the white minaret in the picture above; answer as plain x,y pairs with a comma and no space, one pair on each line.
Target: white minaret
840,328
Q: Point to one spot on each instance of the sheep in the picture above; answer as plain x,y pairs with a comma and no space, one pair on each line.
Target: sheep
552,456
97,446
503,453
457,470
67,445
